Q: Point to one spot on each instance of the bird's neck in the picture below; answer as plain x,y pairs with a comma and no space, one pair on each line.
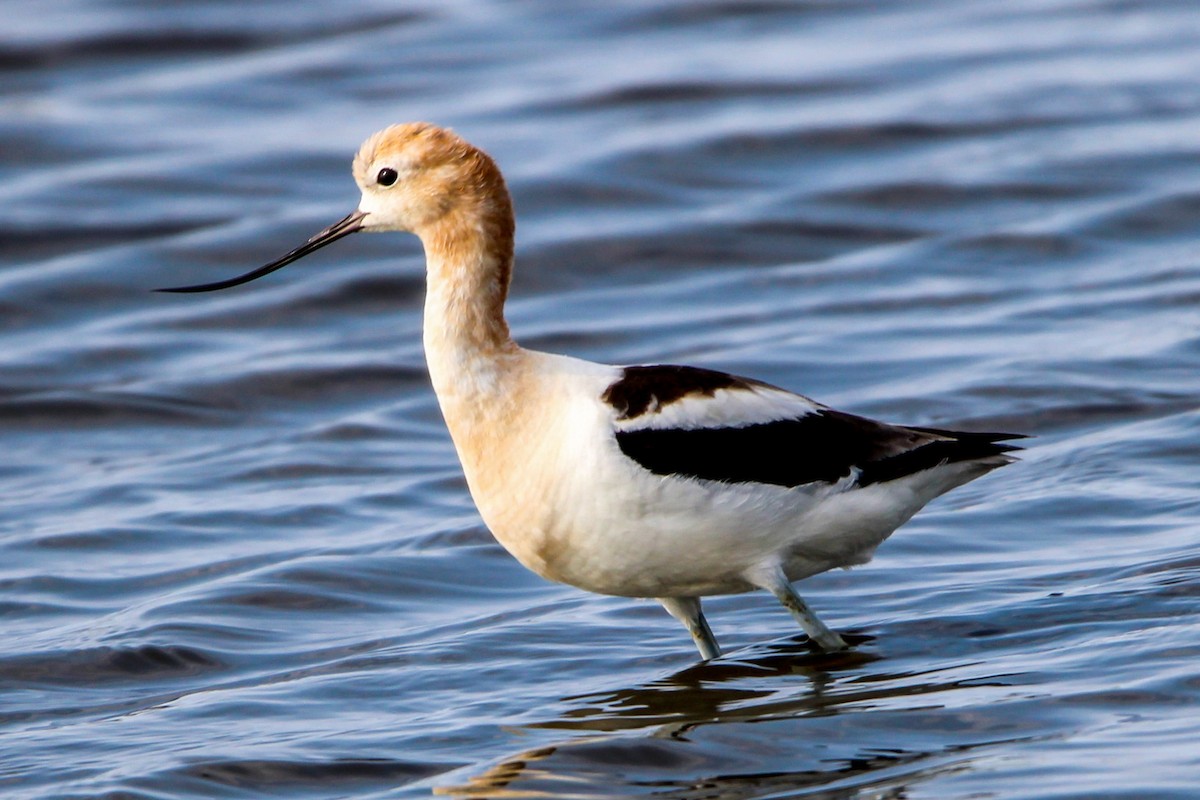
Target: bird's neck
469,255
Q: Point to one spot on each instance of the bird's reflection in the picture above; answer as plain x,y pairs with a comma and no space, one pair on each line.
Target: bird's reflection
687,754
526,776
735,687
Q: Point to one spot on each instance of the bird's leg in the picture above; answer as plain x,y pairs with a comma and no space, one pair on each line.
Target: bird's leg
827,639
687,610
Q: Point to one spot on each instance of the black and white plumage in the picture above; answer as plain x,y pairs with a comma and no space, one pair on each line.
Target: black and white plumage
780,438
693,424
651,481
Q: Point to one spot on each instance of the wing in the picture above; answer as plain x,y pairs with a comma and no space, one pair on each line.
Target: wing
701,423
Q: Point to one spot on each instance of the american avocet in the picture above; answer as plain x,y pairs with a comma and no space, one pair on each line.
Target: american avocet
648,481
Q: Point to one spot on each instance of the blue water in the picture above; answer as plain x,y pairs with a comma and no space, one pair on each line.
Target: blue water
238,558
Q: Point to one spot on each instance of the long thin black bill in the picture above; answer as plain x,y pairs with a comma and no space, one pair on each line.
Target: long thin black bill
344,227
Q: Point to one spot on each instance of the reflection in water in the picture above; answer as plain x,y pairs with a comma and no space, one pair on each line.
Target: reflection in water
700,745
534,773
721,690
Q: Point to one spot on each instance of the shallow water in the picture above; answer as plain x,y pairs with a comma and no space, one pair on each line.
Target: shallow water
238,559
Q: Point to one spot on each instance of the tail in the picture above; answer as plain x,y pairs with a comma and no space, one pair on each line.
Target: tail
936,446
969,445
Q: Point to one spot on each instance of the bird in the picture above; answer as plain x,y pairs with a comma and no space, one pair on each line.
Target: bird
658,481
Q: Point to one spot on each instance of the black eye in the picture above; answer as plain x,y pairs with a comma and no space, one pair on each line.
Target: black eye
386,177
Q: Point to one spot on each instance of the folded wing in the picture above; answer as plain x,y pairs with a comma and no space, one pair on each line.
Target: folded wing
698,423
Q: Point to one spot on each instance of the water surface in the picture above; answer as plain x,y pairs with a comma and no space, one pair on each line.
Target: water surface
238,558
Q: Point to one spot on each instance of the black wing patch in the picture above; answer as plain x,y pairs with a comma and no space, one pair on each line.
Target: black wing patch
649,388
822,446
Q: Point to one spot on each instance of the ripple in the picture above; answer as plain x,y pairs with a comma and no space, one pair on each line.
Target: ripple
131,663
683,91
334,775
926,195
1158,219
56,410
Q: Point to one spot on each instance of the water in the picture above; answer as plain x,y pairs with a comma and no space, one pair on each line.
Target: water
237,557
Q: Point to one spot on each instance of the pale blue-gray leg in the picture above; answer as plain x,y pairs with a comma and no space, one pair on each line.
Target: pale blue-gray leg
687,610
778,585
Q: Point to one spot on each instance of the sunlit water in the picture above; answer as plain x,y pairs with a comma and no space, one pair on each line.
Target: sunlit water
237,556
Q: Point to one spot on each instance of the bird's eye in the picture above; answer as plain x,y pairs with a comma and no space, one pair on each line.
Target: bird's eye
387,176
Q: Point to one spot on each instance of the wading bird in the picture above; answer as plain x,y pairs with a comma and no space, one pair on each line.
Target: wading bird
661,481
